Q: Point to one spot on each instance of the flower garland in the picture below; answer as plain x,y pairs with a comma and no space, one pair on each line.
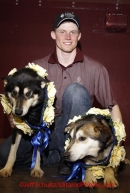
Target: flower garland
48,116
117,154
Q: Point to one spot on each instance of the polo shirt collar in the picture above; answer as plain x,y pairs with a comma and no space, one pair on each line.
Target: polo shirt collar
78,58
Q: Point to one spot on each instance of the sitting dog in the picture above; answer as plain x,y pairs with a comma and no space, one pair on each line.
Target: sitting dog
91,141
25,90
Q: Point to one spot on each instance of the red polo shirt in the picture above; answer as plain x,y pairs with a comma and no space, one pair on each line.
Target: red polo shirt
83,70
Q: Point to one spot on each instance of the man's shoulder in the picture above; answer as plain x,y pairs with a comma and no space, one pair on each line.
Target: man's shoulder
41,61
92,62
95,67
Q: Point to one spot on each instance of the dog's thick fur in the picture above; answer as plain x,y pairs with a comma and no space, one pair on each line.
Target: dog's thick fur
25,91
91,141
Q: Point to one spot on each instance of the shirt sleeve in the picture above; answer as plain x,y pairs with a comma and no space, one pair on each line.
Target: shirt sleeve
103,91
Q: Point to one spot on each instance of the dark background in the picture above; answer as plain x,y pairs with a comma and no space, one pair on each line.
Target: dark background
25,27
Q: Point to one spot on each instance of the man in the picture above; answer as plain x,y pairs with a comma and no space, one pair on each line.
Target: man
78,79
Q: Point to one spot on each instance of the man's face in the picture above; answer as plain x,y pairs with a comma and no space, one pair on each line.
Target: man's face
66,36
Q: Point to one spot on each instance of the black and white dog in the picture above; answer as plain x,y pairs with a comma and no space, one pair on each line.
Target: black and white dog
25,91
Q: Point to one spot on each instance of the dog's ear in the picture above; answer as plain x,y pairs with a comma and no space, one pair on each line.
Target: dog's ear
105,123
69,127
6,79
42,81
104,133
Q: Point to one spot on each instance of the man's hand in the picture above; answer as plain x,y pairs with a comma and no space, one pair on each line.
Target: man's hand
10,118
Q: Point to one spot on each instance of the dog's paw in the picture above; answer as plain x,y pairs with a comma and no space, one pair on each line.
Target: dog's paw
38,173
90,183
109,178
111,182
5,172
90,180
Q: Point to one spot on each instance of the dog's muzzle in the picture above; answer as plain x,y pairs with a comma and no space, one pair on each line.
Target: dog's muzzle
18,112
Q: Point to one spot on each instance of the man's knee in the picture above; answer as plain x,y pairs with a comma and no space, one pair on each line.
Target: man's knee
76,92
74,87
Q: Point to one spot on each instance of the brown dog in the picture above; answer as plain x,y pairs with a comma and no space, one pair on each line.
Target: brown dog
91,141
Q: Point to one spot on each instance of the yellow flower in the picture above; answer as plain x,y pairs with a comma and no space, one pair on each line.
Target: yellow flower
49,115
12,71
51,93
7,107
117,155
40,71
67,142
50,103
20,124
74,119
98,171
96,111
119,131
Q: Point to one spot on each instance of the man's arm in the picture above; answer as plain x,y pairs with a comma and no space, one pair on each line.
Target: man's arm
10,119
116,114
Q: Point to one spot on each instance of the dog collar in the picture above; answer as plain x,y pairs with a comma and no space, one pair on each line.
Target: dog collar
42,132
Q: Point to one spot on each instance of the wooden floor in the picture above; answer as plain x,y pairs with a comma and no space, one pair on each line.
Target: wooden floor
21,181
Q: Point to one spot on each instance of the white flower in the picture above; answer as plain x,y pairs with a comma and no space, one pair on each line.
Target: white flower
40,71
67,142
98,171
119,131
75,119
48,116
12,71
96,111
117,155
51,93
7,107
20,124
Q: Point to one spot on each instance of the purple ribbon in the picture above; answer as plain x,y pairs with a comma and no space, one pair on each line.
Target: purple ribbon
78,171
40,139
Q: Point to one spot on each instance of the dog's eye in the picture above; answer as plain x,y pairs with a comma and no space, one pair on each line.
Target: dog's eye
82,138
14,93
28,94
